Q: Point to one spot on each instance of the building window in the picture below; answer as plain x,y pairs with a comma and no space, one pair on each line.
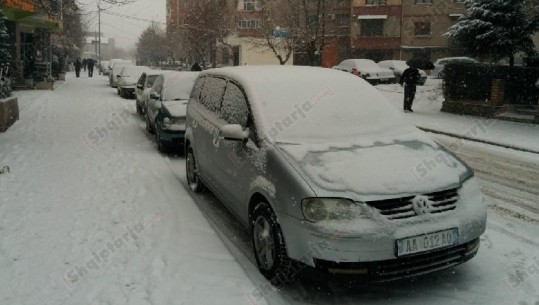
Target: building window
372,27
422,29
249,5
342,20
376,2
248,24
423,1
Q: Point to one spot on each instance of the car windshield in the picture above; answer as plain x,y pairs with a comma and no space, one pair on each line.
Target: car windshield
341,108
178,86
133,71
151,80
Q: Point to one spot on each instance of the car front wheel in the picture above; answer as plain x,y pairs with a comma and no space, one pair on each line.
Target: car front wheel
149,127
191,168
269,247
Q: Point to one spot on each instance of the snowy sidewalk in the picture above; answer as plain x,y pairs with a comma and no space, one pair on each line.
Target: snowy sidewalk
91,213
427,115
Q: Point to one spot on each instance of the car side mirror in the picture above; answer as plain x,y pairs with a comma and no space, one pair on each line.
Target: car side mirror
119,76
154,95
234,132
139,86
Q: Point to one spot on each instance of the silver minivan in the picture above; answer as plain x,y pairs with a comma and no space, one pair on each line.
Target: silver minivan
325,173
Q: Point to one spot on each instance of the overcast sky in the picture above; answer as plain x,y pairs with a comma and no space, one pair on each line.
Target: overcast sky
125,31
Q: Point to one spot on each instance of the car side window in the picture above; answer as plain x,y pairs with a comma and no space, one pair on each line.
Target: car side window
158,85
212,94
197,88
142,79
235,109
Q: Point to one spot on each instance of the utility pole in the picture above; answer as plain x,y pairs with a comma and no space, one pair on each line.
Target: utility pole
99,38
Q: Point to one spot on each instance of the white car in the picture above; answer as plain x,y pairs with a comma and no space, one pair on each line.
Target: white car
144,86
352,198
398,67
368,70
439,65
128,78
116,68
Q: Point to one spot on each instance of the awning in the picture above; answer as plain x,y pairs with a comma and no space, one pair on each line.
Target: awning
366,17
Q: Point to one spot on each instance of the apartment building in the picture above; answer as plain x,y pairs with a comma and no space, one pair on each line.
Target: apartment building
423,24
375,29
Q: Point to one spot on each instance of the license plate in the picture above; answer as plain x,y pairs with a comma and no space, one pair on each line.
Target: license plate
427,242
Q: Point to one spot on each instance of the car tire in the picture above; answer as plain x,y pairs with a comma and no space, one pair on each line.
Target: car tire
161,147
191,170
267,240
149,127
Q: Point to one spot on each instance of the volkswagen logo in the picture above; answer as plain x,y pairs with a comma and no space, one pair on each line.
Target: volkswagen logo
421,205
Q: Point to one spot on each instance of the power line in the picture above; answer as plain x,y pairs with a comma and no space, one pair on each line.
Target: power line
132,18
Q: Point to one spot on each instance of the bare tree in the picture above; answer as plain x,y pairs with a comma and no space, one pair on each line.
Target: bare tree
208,22
297,26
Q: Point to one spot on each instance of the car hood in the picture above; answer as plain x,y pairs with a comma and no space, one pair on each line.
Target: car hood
177,109
382,170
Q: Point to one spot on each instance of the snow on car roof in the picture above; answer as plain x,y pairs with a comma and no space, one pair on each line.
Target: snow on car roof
316,105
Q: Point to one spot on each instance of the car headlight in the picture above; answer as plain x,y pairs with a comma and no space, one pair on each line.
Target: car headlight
318,209
169,123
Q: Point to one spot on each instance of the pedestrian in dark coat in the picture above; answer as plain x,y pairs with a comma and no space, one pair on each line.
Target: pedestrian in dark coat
196,67
77,65
84,62
90,62
409,79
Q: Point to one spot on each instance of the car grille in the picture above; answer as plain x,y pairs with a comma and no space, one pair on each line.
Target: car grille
404,267
402,208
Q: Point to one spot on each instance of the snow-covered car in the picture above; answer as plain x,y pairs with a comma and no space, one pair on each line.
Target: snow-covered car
128,78
166,107
352,198
142,91
103,66
398,67
439,64
368,70
115,70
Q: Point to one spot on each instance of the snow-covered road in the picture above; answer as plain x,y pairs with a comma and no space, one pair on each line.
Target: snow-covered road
91,214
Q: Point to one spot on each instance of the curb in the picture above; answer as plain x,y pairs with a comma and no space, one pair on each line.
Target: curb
479,140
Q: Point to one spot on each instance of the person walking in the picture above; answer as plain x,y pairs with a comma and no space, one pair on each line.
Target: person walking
90,64
196,67
77,65
409,79
84,62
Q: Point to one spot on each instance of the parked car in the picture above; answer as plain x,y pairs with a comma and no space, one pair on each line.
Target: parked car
398,67
166,107
142,91
324,172
368,70
103,66
127,80
116,69
439,65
